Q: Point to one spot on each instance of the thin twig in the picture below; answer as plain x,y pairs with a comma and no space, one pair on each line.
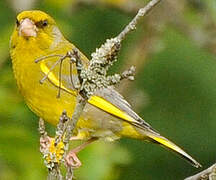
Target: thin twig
60,78
204,175
50,70
41,128
81,102
132,25
54,172
61,127
46,57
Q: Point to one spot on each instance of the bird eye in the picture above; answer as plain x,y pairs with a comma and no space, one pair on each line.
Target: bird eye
42,24
17,22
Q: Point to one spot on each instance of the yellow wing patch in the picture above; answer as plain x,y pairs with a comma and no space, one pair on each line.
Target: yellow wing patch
175,148
53,78
166,143
110,108
94,100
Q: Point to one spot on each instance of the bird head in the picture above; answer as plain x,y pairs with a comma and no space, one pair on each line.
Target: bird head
34,23
36,27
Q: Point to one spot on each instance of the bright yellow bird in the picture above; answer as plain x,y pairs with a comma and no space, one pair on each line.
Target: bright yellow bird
107,115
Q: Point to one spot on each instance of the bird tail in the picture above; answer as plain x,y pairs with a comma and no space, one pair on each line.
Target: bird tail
156,138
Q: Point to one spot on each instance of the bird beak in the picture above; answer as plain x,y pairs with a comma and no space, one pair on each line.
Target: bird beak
27,28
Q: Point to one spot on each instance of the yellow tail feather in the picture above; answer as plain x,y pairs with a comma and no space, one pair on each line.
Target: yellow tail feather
168,144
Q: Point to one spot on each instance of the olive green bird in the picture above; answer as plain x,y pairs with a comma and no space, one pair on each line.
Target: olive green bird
107,114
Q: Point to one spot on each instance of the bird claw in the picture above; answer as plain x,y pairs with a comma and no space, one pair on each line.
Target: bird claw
72,160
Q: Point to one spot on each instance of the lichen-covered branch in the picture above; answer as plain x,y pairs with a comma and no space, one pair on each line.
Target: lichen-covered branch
81,102
54,149
207,174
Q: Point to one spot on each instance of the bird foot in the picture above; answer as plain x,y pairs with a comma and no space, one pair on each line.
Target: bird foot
72,160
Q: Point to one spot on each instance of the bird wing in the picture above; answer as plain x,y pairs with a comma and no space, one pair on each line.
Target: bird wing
110,101
106,99
117,101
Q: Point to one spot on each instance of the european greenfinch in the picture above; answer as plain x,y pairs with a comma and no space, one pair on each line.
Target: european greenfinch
107,114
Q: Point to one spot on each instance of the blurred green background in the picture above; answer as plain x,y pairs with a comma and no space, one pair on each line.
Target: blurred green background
174,50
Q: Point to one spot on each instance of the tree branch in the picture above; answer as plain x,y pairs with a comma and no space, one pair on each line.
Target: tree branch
207,174
132,25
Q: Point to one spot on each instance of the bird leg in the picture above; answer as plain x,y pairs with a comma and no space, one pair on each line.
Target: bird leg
71,158
75,138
